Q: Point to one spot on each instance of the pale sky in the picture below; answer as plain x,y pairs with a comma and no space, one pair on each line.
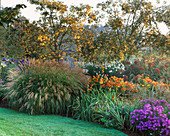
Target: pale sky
30,13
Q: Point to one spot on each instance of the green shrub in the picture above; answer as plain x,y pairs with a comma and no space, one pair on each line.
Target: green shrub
48,87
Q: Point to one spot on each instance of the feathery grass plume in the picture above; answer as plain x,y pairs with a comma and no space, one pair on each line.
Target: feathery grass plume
44,87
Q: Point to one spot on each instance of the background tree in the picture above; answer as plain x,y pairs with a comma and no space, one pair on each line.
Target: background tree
61,28
25,35
8,14
60,32
162,14
131,27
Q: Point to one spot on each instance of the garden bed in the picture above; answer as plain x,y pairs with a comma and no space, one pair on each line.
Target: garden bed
111,101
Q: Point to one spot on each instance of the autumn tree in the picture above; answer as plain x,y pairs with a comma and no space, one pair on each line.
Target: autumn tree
63,31
20,37
27,38
131,27
10,35
61,28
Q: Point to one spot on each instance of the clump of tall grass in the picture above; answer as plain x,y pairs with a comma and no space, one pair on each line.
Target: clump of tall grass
38,87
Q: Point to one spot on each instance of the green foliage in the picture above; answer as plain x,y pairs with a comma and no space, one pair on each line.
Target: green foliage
8,14
44,87
103,108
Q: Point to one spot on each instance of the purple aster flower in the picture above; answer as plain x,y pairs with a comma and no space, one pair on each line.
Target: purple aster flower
132,121
147,106
162,101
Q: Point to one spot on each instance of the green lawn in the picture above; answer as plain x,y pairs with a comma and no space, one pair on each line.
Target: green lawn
13,123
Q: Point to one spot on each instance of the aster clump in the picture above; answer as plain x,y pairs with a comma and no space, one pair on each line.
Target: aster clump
152,118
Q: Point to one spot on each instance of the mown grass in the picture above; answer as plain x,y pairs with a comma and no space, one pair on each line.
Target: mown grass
13,123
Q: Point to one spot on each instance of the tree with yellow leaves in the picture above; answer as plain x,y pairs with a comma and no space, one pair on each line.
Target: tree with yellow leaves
61,28
131,27
22,39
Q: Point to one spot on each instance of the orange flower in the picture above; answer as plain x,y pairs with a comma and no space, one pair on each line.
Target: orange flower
101,81
136,91
88,89
123,89
164,67
108,84
96,80
154,83
103,85
139,76
126,82
111,82
114,98
97,76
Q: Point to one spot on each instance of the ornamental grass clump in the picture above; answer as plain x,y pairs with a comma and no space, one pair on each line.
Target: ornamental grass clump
152,118
48,87
5,65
